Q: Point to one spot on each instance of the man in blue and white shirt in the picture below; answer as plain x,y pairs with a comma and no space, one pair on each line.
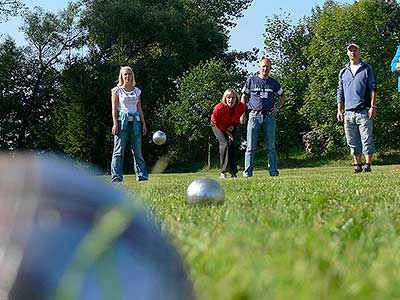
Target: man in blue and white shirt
395,66
356,104
260,91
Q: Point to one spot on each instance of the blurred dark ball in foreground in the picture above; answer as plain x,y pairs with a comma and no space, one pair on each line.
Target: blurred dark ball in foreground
66,235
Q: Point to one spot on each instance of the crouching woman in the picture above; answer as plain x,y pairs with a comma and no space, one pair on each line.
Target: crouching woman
225,117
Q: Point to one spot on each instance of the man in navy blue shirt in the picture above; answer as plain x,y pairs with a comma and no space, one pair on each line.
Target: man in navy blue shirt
356,103
260,91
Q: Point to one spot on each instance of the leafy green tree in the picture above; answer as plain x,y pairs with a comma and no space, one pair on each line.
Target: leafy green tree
11,63
82,123
52,37
26,113
10,8
221,12
30,78
188,119
285,43
34,69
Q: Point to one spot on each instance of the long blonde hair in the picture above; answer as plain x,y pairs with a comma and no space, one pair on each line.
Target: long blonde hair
121,78
228,92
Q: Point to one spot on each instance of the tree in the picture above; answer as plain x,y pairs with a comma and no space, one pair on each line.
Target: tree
221,12
10,8
25,123
52,36
285,44
82,124
31,77
11,63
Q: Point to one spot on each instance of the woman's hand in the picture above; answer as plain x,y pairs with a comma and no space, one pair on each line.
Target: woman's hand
230,135
144,128
115,129
243,119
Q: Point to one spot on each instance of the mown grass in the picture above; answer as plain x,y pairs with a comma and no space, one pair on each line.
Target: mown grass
311,233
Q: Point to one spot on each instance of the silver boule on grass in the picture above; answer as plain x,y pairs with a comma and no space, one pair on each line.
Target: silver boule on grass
205,191
159,137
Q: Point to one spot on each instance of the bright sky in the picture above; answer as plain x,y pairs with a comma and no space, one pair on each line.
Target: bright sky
246,35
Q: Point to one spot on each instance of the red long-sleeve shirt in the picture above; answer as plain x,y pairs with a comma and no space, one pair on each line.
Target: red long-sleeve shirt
223,117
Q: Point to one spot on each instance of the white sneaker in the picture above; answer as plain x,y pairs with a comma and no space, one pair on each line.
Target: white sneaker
223,175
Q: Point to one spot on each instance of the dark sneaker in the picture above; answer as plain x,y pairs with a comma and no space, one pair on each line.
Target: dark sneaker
367,168
357,168
233,175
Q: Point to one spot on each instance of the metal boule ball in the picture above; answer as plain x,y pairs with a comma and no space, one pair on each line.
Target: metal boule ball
205,190
159,137
64,234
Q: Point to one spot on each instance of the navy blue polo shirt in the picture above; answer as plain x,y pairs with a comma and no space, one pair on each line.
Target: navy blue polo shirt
261,92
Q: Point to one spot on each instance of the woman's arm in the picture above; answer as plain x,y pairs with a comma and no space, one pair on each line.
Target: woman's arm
139,108
114,113
238,112
218,117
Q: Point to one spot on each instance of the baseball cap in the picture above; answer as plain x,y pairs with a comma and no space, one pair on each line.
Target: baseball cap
352,44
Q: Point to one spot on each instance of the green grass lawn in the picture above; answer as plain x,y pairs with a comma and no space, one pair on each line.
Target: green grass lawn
311,233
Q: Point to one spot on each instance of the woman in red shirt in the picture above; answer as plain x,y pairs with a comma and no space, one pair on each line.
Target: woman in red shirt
224,119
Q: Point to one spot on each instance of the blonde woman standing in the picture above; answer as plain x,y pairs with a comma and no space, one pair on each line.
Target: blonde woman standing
128,125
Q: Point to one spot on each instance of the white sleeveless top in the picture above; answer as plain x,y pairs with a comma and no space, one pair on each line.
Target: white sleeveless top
127,100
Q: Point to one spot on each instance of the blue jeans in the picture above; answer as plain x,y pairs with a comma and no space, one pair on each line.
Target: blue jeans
359,132
120,140
268,123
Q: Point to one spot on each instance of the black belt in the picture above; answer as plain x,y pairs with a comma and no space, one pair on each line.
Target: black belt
359,108
264,112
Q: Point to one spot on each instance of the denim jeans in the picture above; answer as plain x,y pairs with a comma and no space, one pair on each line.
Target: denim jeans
359,132
120,140
268,124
